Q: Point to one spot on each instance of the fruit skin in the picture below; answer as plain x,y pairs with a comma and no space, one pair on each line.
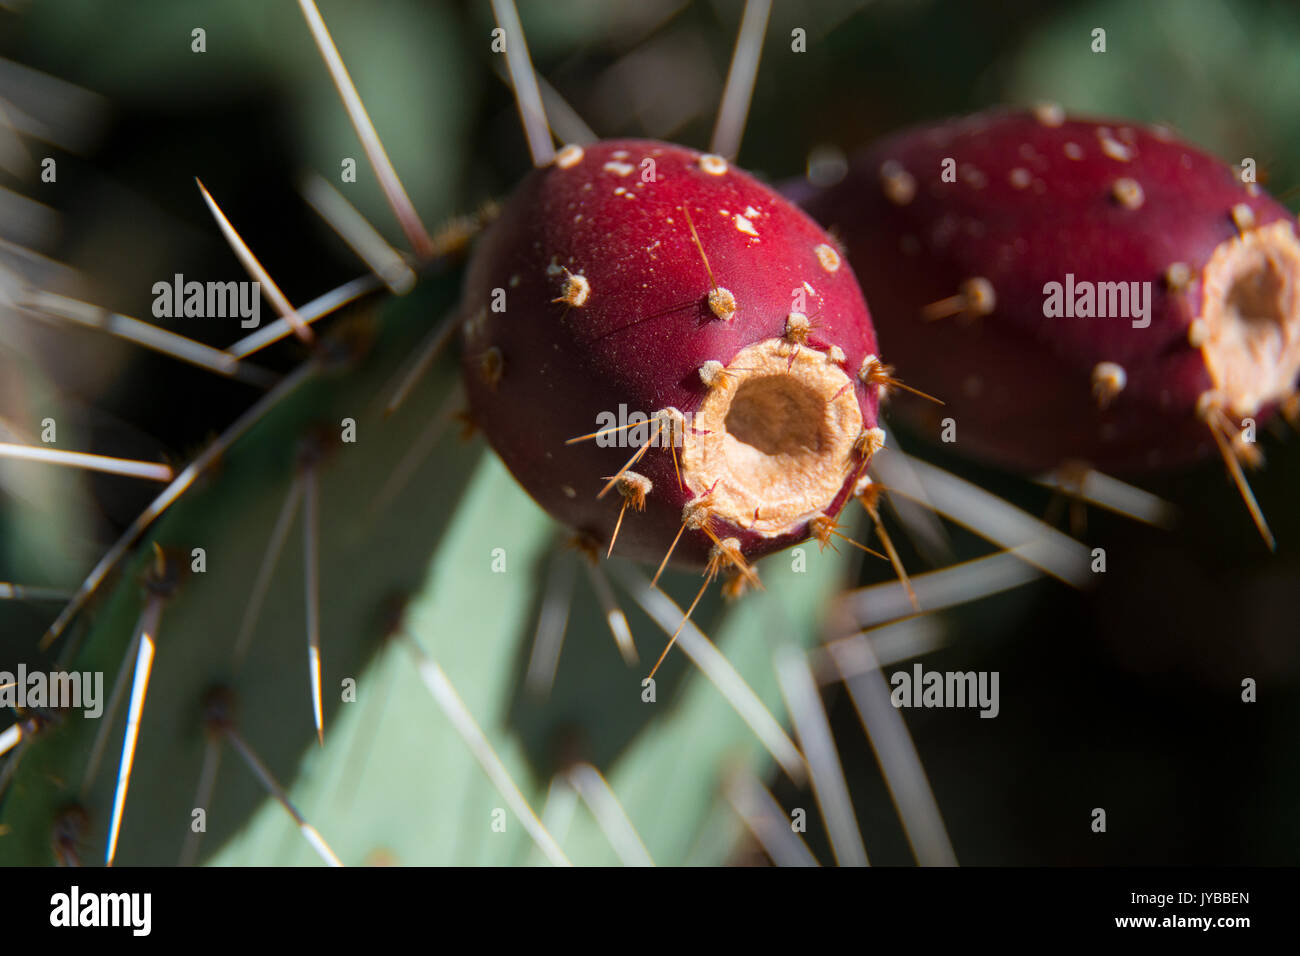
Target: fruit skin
1026,209
644,327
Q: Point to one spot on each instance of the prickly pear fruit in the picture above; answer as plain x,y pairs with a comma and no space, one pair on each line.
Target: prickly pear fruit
635,281
1074,290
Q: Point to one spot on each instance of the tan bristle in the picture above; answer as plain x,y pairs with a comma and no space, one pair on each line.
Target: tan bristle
1207,404
1108,380
712,373
866,490
696,514
586,544
736,585
822,527
872,371
797,327
634,488
725,553
491,366
575,290
870,441
979,296
722,303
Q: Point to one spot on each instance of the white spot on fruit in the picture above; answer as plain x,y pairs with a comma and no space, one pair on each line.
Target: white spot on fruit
1128,193
1108,380
972,177
473,327
1111,146
1243,217
1073,151
745,226
1049,114
1020,178
1177,276
1207,403
898,183
978,295
569,156
713,164
828,257
618,169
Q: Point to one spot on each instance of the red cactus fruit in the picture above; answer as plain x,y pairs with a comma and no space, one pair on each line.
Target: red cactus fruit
638,281
997,250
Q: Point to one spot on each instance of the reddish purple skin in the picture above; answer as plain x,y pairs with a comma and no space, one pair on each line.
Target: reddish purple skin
1034,409
645,329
